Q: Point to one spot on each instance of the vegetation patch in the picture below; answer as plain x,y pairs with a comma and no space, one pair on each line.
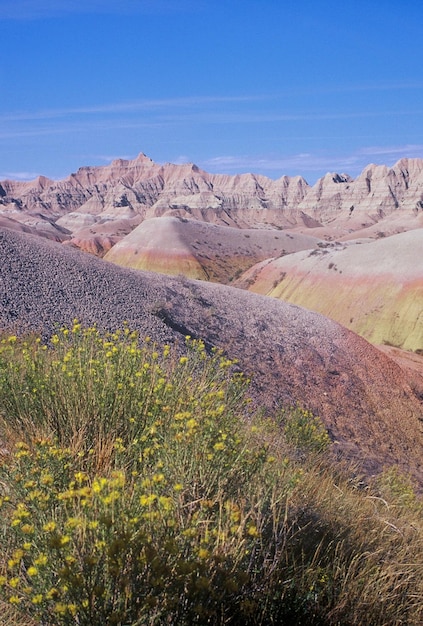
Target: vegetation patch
137,488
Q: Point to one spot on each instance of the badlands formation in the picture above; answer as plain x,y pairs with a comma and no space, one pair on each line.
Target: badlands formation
374,288
348,249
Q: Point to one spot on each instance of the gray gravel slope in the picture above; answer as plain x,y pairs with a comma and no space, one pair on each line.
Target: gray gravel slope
294,355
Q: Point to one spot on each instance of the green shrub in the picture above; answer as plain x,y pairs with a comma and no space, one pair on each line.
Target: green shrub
305,431
87,389
397,488
156,509
129,547
134,492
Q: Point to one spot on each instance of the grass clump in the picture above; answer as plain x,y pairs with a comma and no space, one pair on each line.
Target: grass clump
304,431
135,492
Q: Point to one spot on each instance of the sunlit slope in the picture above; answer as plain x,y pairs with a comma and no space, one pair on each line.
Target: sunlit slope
201,250
374,288
292,355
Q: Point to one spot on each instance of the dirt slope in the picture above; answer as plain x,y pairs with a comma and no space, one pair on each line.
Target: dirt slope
373,288
294,355
201,250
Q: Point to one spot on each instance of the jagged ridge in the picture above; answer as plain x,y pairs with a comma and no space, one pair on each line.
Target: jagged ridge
101,205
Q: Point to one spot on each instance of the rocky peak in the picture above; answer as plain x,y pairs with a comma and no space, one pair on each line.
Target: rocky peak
148,189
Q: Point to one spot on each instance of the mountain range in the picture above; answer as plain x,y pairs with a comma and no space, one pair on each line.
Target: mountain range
97,206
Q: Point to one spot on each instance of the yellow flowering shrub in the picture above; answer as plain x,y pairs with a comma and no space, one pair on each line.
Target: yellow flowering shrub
140,503
143,490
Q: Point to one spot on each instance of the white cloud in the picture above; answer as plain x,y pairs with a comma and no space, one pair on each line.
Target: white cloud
301,162
109,158
181,159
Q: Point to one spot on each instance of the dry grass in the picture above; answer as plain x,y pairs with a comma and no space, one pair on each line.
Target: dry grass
141,495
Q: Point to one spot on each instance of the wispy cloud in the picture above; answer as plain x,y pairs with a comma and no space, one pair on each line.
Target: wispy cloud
138,106
40,9
340,88
302,162
408,149
107,158
22,176
311,163
192,110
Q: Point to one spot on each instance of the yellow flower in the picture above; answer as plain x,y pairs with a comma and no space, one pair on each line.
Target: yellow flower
118,479
14,582
32,571
80,477
111,497
219,446
46,479
252,530
27,529
203,553
158,478
118,445
18,554
72,609
99,484
73,522
92,525
41,560
14,599
22,453
37,599
147,500
165,502
50,527
21,445
52,594
21,512
60,608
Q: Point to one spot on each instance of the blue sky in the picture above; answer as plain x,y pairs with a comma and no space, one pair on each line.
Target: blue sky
267,86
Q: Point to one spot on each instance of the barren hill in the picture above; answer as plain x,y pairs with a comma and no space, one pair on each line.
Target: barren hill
178,219
294,355
373,288
201,250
